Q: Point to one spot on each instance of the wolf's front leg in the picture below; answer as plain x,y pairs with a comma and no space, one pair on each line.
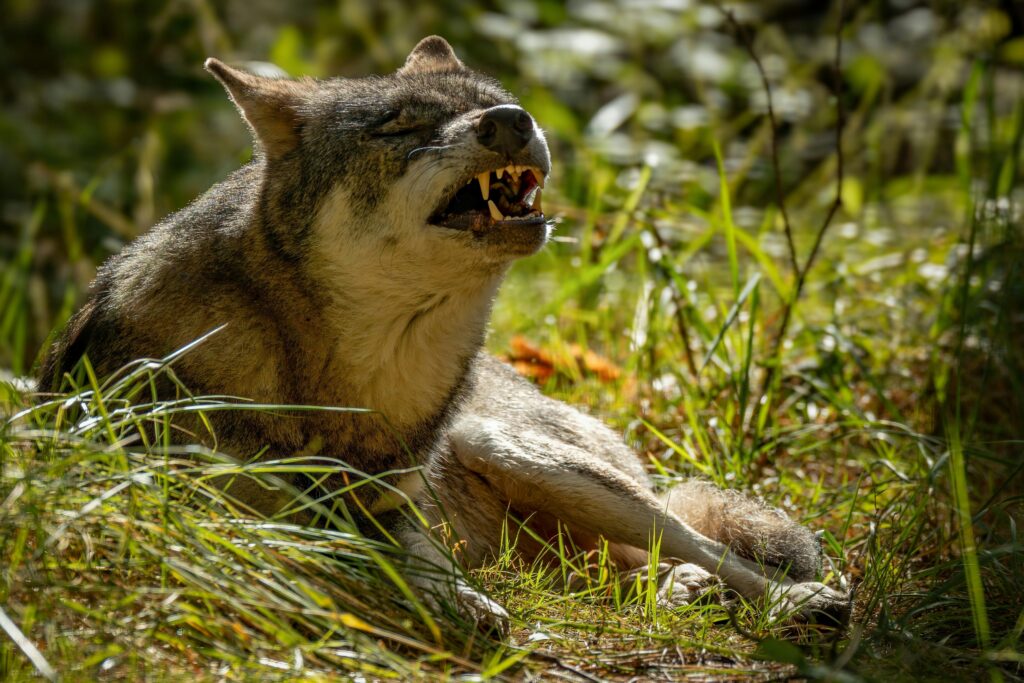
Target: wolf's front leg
432,570
533,468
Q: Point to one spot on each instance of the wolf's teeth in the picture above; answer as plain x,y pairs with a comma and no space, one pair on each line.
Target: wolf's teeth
495,214
500,172
485,184
539,175
536,202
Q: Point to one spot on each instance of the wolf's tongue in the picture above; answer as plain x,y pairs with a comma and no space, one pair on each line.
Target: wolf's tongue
526,184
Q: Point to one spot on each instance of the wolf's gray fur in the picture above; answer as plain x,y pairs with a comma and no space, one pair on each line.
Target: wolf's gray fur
353,268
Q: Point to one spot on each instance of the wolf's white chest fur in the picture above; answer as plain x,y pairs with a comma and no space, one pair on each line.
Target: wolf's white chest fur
411,352
405,313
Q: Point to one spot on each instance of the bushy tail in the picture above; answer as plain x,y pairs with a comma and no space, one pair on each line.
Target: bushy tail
749,527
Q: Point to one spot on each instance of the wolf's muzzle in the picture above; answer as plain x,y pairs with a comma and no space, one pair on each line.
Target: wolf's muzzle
505,129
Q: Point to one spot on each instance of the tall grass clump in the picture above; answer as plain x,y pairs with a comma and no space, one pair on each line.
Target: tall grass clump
123,559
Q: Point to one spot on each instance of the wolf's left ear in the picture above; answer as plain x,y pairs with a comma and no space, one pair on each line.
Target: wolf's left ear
269,105
433,53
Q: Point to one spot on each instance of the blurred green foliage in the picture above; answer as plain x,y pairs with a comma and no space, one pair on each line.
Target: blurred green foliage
109,121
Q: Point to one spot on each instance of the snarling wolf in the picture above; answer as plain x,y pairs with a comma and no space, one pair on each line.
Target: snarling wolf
354,262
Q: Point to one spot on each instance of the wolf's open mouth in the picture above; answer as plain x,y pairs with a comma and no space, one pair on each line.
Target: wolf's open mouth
510,194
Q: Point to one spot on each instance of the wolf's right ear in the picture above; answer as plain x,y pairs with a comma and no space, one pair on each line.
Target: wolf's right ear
269,105
433,53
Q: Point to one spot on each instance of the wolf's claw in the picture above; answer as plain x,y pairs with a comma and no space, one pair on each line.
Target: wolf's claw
682,584
481,610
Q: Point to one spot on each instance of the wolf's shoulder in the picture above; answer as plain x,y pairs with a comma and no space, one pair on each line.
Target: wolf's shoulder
201,242
222,210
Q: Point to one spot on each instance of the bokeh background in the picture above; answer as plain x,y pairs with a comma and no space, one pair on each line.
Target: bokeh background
109,122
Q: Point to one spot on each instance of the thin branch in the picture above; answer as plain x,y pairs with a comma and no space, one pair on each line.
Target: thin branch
780,197
799,272
557,661
64,184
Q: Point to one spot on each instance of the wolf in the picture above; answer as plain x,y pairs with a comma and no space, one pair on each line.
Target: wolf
354,262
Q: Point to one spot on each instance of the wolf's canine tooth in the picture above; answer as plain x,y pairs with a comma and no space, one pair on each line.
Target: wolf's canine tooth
485,184
539,175
495,213
536,206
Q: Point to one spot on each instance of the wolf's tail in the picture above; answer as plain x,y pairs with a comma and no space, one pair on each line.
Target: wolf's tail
749,527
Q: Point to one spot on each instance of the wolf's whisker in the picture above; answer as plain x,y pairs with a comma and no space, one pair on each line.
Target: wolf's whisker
427,149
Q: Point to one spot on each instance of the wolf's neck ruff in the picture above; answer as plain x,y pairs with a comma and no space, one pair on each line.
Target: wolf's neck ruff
404,317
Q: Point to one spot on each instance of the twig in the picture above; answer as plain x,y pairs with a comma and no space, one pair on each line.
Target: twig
561,664
780,197
65,185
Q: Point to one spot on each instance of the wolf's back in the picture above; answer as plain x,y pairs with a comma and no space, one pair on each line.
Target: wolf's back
133,290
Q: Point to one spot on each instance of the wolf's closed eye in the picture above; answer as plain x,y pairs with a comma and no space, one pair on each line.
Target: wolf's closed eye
397,122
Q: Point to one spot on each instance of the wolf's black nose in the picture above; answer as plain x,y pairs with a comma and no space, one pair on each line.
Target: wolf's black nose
505,129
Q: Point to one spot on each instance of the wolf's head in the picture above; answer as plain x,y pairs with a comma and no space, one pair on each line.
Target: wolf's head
434,167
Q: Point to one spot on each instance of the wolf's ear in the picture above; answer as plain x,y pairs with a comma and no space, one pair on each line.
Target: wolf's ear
433,53
269,105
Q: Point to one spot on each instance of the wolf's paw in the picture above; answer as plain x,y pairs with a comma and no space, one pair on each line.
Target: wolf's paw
815,603
682,584
488,615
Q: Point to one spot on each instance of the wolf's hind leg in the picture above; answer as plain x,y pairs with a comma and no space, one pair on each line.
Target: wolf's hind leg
531,467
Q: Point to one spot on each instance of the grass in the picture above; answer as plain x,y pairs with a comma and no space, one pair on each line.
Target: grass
892,422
